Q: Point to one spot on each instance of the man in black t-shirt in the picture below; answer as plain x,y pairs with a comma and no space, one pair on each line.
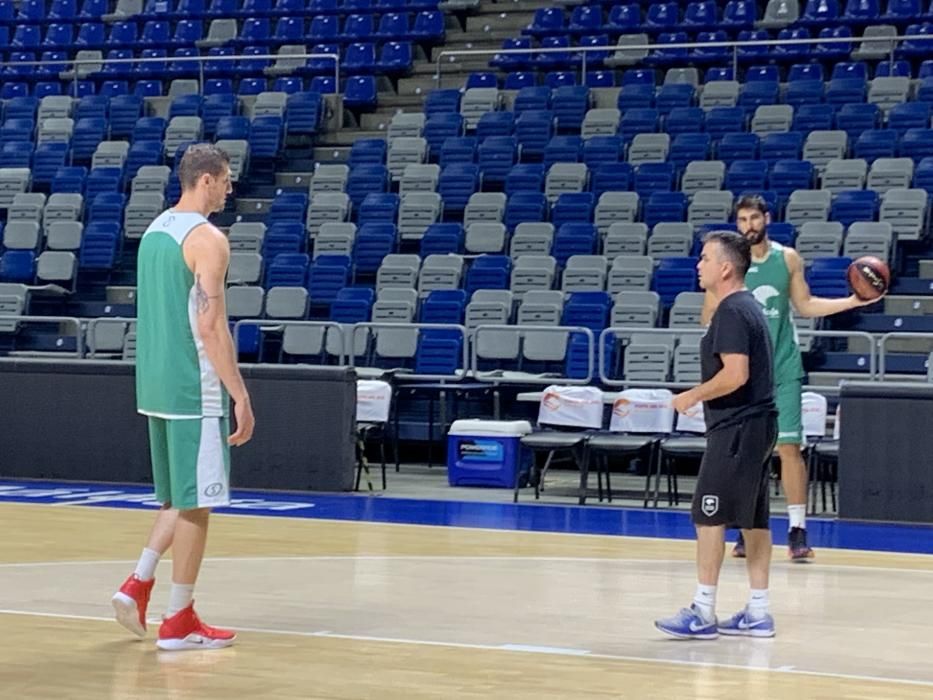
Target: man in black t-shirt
741,421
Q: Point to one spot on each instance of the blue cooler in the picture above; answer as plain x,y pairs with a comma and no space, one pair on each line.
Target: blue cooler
487,453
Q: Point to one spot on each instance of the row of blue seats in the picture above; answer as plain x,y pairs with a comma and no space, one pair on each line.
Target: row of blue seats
394,57
666,53
67,11
628,18
358,91
427,26
516,80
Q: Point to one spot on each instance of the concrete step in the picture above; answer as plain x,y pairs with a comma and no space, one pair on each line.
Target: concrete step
905,305
346,137
926,269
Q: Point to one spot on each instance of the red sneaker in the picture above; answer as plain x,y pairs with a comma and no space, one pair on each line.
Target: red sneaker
184,630
130,603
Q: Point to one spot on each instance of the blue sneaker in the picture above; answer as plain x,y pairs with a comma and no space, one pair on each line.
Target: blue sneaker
688,624
742,625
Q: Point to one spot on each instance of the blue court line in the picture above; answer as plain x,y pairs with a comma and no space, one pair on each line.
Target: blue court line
587,520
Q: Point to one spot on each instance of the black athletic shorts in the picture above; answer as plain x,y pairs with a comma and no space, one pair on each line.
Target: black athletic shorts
732,487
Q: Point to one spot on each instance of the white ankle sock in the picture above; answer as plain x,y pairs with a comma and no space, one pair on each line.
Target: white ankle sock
146,566
179,598
758,603
797,517
705,601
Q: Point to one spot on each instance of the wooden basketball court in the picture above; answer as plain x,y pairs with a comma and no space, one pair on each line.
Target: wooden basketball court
332,609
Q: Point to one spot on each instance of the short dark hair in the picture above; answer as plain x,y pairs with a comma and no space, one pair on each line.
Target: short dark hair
752,201
201,159
735,248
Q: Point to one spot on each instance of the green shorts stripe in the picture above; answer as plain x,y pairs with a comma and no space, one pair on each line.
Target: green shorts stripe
190,462
787,397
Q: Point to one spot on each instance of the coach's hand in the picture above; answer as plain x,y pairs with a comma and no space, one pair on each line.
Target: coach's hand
245,422
684,401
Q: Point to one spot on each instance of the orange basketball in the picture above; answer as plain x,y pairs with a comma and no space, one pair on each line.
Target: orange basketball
869,277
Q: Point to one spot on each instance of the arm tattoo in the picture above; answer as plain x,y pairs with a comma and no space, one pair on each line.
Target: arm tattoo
202,301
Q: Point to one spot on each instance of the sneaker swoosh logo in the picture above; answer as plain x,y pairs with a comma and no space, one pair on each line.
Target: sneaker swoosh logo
746,624
694,627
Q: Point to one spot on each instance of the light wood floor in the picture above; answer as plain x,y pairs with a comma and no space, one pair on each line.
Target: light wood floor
355,610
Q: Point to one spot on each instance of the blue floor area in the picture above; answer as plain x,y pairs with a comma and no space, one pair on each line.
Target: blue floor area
587,520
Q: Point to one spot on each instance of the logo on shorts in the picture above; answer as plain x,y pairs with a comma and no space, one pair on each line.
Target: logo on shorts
214,489
709,505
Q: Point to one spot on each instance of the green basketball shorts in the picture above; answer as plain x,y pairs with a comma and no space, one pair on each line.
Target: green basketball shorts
190,461
790,421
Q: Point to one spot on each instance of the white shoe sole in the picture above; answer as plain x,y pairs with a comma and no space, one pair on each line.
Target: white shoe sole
193,642
701,637
127,614
747,633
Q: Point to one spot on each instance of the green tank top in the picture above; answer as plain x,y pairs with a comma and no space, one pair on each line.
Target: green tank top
174,377
769,282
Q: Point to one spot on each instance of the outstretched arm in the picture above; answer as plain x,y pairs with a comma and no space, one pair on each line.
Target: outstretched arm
804,302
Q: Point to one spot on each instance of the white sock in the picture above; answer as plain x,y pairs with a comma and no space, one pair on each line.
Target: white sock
758,603
705,601
179,598
146,566
797,516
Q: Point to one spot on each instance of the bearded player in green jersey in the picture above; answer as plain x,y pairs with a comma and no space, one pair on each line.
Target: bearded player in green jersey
776,280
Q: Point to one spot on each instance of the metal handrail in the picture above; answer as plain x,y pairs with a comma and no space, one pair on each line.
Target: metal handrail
280,323
804,333
71,320
616,48
405,374
94,322
531,379
201,60
883,341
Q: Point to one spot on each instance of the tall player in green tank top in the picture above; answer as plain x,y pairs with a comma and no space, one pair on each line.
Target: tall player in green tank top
186,372
777,281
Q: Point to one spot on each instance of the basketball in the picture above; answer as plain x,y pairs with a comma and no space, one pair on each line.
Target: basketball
869,277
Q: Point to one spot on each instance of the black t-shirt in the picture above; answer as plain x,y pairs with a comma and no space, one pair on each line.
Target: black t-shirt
738,327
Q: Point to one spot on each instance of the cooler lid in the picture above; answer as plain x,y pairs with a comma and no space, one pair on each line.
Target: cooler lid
473,427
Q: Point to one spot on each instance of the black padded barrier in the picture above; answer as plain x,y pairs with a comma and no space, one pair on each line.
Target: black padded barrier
76,420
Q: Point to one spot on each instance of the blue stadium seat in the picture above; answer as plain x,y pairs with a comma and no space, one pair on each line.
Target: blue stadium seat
563,149
360,92
525,206
673,276
573,207
855,118
438,129
827,277
497,155
779,146
917,144
664,207
366,179
287,270
688,147
284,237
442,239
18,266
265,137
746,175
525,177
460,149
100,243
684,120
653,177
850,206
303,113
533,130
378,208
574,239
457,184
789,175
367,152
813,117
46,161
611,177
488,272
495,124
373,243
602,149
876,143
